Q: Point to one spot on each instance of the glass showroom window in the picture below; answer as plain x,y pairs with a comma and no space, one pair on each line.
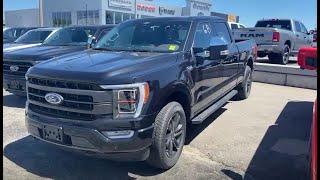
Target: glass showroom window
109,17
118,17
88,17
61,19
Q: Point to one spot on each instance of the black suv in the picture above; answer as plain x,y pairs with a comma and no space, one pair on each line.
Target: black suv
133,94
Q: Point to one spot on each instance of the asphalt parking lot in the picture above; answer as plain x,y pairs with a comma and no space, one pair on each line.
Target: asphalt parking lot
263,137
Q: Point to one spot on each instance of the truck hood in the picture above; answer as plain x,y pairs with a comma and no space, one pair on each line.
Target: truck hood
103,67
40,53
15,46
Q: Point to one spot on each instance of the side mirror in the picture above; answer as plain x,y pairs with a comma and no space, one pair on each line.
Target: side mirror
218,48
91,41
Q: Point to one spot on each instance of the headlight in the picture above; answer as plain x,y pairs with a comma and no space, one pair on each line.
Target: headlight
128,99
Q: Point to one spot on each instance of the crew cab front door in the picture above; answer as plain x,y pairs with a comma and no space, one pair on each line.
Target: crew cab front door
206,72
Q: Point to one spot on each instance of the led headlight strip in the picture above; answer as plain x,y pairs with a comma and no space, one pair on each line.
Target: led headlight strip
143,94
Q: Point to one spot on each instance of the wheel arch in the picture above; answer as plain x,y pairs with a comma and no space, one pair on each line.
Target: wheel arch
179,92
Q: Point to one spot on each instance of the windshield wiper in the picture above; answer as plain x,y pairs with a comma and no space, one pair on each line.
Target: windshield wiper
103,49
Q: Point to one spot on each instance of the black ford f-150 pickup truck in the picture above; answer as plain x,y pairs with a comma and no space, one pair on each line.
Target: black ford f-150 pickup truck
65,40
135,93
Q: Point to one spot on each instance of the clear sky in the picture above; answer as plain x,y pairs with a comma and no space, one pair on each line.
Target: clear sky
248,10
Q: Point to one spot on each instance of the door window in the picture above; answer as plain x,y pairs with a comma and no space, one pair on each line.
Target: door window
222,31
202,35
297,25
234,26
303,29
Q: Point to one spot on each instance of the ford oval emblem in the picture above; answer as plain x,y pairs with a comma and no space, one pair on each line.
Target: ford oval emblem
14,68
53,98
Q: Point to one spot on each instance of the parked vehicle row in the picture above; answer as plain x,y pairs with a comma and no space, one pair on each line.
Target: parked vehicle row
277,38
10,34
63,41
31,38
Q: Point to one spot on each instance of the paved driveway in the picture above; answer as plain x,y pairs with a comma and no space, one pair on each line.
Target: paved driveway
264,137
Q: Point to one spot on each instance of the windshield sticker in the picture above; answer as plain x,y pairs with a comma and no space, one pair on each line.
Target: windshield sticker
206,29
173,47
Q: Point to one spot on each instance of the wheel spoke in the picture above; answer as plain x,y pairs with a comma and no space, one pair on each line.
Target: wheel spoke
176,120
170,150
176,144
168,139
178,131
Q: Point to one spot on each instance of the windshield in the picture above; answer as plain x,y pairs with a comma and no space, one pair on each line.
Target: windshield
146,35
280,24
69,37
9,33
33,36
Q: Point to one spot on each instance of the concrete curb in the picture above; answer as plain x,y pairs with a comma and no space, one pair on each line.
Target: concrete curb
285,75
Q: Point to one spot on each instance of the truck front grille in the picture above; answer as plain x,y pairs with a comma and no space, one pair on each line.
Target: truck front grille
62,114
77,104
64,84
22,67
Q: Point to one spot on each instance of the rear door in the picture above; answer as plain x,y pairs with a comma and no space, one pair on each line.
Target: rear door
230,63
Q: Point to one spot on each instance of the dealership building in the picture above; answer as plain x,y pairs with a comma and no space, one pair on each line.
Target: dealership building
95,12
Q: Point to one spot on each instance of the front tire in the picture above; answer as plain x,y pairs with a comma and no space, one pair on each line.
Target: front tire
244,88
168,137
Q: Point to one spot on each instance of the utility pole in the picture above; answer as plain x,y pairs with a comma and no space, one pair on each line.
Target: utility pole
86,14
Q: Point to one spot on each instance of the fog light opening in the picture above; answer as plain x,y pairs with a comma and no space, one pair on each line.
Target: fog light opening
118,134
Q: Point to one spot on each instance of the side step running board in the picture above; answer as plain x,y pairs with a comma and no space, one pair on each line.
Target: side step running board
205,114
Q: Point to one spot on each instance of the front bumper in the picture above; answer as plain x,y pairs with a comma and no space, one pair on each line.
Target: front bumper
21,81
78,136
267,49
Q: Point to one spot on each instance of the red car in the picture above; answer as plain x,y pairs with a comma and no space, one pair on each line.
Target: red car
307,59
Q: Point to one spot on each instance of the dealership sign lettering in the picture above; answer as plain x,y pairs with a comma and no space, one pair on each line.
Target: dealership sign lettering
201,6
122,4
163,10
146,8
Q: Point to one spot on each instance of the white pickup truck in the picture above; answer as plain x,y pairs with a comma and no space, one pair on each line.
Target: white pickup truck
276,38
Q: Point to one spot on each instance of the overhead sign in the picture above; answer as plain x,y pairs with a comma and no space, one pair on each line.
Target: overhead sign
232,18
122,4
201,6
166,11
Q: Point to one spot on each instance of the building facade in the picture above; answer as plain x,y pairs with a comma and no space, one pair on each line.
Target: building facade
23,17
56,13
90,12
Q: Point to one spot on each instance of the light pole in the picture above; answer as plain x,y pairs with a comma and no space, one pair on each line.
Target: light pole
135,9
86,14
